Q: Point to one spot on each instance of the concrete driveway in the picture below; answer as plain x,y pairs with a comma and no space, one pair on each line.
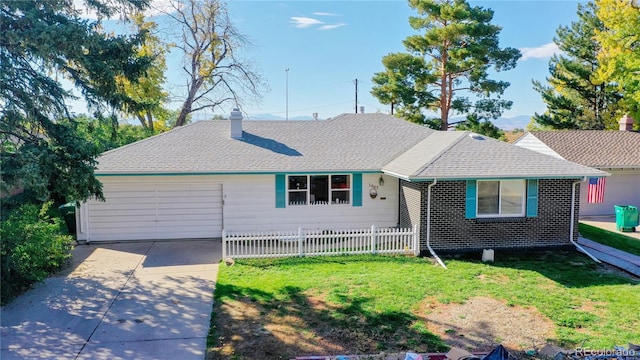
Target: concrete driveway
143,300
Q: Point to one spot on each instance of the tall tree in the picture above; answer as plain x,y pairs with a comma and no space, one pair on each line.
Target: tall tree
620,53
575,99
40,41
447,67
147,93
211,44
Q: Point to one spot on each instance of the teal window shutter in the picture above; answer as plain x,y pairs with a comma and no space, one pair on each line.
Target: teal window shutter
357,189
281,192
532,198
470,202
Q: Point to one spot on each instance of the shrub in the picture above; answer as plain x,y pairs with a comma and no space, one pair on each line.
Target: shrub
33,244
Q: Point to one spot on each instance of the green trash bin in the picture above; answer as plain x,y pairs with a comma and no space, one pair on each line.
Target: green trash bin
68,212
626,218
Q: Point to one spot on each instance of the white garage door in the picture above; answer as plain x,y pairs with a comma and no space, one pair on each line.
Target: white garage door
149,211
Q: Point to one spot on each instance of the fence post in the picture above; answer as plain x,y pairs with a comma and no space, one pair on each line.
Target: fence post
373,239
224,245
416,250
300,242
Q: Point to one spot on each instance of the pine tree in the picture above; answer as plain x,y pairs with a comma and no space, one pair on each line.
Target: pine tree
575,99
447,67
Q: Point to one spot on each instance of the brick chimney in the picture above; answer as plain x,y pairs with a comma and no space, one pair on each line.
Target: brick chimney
626,123
236,124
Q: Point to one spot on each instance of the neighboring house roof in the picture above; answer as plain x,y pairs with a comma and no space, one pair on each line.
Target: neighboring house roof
346,143
465,155
594,148
349,142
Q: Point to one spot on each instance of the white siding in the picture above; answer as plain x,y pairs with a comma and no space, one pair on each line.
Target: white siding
149,207
250,206
176,207
621,188
533,143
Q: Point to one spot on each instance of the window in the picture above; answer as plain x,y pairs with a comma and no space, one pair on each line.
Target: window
319,189
501,198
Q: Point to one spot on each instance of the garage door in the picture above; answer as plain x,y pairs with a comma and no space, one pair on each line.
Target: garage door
150,211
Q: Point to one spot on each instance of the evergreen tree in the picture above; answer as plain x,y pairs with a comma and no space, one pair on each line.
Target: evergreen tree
575,99
447,67
42,41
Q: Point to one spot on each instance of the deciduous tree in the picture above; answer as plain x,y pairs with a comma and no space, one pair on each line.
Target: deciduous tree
146,92
212,46
620,49
446,68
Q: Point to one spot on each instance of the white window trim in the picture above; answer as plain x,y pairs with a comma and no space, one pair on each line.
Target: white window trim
524,201
308,190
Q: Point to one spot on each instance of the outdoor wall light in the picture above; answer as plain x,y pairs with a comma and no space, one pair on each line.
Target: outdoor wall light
381,181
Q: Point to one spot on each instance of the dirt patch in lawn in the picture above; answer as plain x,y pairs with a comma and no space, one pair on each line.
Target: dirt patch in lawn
248,329
482,323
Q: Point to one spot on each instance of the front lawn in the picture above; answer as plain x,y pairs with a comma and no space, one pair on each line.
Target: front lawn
282,308
610,238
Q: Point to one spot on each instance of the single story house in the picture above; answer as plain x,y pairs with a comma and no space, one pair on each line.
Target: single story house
463,190
616,152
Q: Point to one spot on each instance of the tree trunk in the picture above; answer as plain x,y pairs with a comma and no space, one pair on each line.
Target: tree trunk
150,121
444,97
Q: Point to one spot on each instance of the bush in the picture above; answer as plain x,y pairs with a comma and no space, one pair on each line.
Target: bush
33,244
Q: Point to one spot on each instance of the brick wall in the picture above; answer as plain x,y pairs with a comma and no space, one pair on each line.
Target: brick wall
451,231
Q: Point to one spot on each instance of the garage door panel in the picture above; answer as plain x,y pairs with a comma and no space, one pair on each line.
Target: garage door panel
124,219
157,211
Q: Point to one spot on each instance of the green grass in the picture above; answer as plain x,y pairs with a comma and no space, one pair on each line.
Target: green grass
381,294
609,238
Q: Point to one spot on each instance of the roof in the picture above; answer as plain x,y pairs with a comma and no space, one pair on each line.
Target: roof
349,142
595,148
346,143
465,155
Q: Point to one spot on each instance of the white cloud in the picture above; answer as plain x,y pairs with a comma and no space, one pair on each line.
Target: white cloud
304,22
331,26
320,13
541,52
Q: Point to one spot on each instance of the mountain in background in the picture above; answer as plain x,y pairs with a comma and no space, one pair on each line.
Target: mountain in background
271,117
504,123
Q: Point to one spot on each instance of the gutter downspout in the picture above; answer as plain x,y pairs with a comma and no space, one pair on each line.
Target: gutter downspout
433,253
573,203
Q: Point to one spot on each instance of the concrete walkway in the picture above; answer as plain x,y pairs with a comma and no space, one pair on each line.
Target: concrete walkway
608,222
143,300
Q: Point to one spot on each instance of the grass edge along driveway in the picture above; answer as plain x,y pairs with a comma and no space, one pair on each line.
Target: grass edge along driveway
369,304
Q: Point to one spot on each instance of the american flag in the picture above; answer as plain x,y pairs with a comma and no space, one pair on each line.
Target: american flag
595,191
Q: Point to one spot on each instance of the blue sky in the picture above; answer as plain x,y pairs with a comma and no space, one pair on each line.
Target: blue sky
326,45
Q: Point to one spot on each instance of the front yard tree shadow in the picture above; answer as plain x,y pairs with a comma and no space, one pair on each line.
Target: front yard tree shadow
251,323
569,268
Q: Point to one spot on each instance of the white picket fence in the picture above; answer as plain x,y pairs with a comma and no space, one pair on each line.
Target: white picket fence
320,242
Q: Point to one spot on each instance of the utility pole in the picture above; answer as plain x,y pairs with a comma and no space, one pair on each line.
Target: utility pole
286,95
356,96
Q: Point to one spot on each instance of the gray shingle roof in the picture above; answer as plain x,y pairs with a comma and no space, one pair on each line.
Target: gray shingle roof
349,142
346,143
476,157
595,148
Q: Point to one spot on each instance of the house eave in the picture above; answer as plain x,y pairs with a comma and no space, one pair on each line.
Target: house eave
227,173
499,177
